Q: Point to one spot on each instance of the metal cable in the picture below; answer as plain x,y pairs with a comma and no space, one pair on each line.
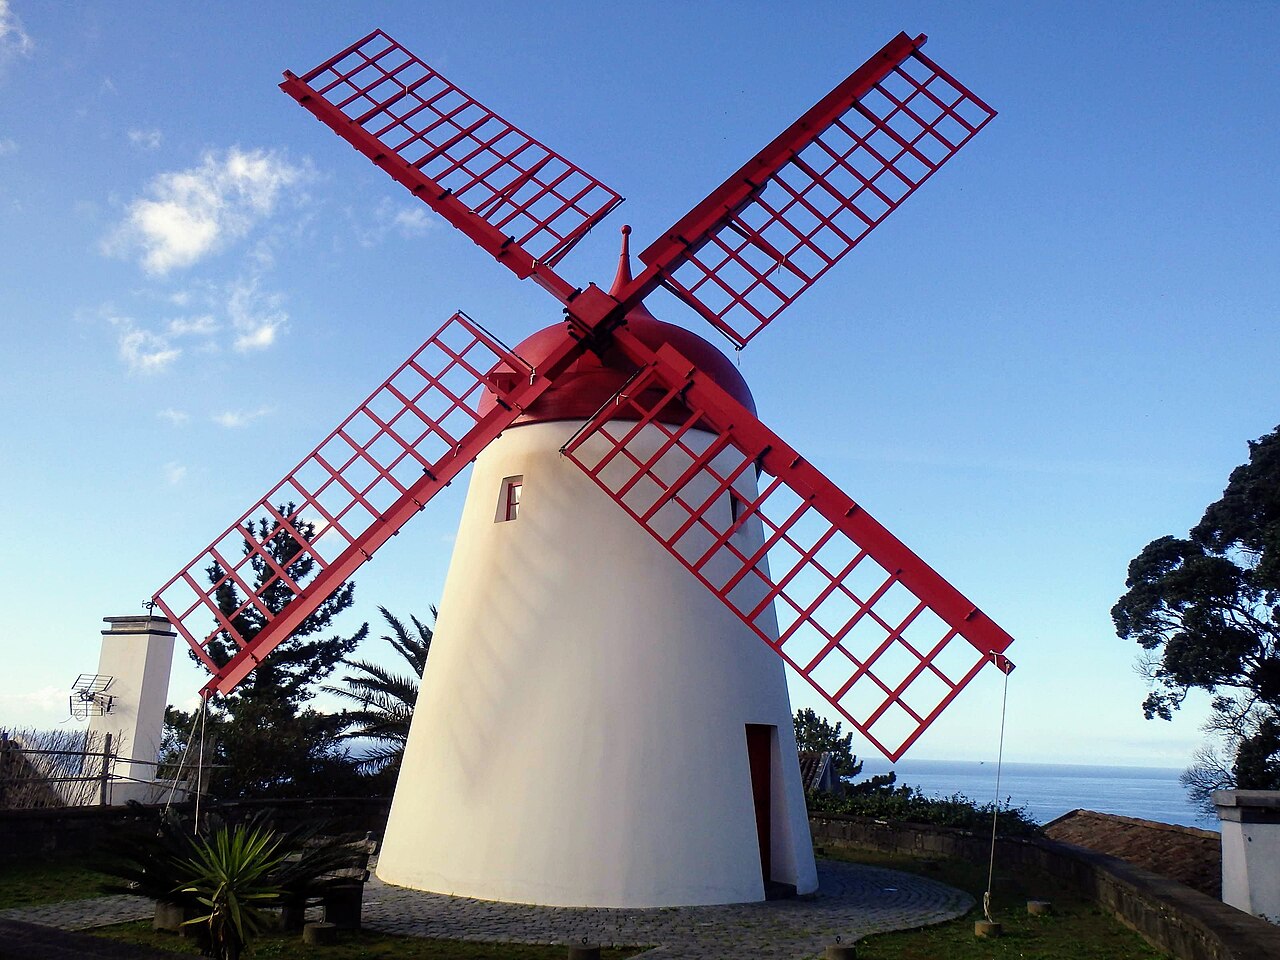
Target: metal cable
173,788
995,807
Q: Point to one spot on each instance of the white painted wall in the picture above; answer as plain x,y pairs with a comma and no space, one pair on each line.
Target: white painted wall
137,652
1251,850
580,738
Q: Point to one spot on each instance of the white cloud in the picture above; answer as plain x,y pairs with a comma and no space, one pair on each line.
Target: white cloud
47,698
146,139
174,472
235,419
203,325
7,146
256,317
141,350
13,39
214,317
190,214
371,227
175,417
413,221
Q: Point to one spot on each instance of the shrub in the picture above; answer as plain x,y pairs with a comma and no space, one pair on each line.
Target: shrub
907,804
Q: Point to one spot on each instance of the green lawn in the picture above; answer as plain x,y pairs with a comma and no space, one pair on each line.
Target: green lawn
1077,930
53,881
356,945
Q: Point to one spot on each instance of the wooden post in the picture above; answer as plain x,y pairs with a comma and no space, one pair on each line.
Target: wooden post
105,775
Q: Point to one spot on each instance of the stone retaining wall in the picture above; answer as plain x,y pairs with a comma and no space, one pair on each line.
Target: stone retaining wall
76,831
1185,923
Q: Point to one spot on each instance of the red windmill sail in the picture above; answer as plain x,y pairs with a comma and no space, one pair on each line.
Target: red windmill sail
877,631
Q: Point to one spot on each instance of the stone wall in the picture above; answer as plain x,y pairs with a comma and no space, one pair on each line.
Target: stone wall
1185,923
77,831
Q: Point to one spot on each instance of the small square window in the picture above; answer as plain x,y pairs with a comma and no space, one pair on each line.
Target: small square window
509,499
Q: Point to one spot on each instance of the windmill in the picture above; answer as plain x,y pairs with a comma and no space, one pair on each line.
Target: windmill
600,723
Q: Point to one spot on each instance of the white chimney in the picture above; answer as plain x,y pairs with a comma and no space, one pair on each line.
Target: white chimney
1251,850
137,654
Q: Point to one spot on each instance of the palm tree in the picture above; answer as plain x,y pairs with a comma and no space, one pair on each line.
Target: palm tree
384,698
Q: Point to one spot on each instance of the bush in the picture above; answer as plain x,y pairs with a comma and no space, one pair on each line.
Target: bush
221,873
907,804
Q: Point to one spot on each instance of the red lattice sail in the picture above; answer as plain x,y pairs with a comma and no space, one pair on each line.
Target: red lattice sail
349,495
876,630
885,639
452,152
788,216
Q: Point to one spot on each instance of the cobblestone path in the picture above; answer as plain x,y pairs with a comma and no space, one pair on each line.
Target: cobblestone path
852,901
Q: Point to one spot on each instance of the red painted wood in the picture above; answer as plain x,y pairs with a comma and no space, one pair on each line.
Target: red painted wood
768,233
886,640
517,199
381,466
738,258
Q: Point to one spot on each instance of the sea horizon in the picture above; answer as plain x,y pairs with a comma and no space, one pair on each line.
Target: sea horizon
1048,790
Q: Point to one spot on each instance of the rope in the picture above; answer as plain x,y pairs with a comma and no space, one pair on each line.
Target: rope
181,764
995,807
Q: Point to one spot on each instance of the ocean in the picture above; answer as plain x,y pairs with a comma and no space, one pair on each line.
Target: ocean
1049,790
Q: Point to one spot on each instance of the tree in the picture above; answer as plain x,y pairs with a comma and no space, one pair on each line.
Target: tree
384,700
266,741
304,659
816,733
1205,610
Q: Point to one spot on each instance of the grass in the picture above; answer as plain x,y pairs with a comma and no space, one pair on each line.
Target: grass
54,881
354,945
1078,929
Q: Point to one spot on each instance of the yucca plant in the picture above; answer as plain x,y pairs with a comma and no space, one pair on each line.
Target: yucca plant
231,876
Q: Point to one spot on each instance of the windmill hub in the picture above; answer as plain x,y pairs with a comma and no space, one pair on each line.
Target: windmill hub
589,383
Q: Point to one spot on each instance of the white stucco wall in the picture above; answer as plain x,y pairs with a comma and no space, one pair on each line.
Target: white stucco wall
580,735
137,652
1251,850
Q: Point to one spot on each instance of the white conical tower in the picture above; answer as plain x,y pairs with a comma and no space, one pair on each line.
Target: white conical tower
594,727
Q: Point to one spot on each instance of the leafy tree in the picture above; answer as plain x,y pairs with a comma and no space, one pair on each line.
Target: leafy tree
384,699
1206,611
266,742
816,733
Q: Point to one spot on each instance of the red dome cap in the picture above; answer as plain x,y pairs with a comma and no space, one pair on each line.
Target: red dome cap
588,384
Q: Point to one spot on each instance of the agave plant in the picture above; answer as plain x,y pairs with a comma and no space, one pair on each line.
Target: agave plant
230,874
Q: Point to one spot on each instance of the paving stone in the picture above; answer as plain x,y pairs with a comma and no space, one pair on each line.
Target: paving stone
84,914
852,902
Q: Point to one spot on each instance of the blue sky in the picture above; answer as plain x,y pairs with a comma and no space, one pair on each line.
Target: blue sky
1055,352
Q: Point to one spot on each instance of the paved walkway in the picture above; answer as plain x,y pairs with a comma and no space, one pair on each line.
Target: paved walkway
852,901
84,914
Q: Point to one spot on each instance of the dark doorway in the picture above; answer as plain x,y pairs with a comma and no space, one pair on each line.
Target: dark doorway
760,757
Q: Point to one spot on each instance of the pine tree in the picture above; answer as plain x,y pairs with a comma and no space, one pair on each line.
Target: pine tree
266,742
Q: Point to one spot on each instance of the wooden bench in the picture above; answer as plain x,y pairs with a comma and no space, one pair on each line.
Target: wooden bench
343,896
339,893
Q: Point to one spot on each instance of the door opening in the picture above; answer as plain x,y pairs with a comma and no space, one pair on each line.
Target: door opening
760,757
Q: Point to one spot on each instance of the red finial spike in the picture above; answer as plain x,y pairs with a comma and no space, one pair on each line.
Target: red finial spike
623,276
